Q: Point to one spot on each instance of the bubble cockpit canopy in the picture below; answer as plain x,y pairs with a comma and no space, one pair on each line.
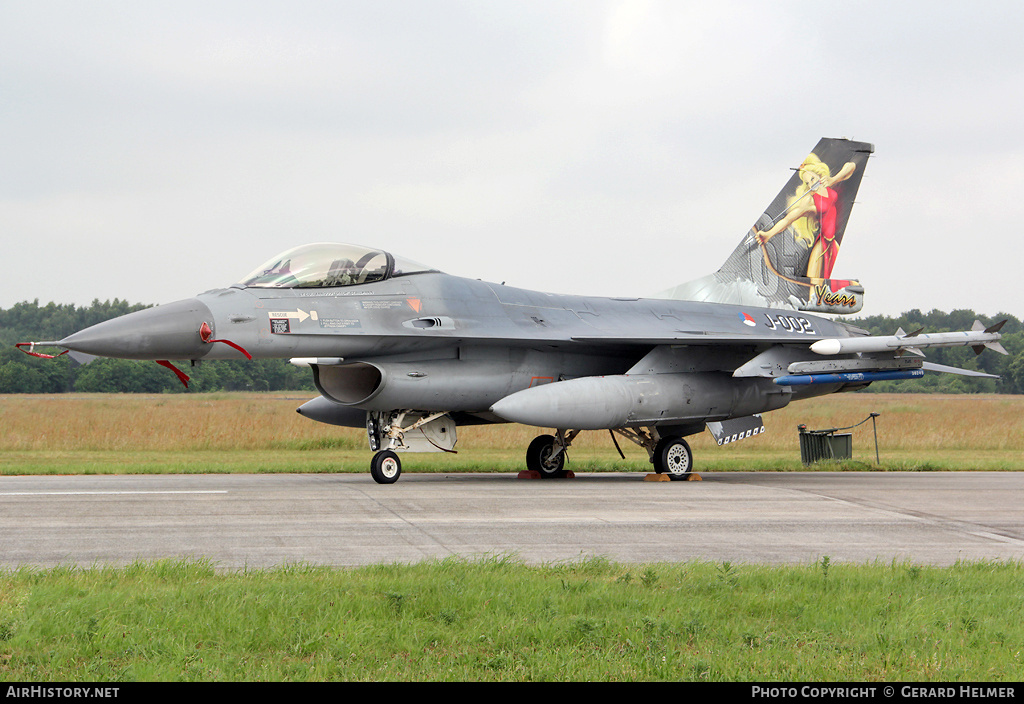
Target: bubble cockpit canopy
326,265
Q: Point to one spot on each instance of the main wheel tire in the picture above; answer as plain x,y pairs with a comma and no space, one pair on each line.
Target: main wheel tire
385,468
539,457
672,456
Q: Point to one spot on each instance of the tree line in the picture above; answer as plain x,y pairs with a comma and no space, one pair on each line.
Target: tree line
27,321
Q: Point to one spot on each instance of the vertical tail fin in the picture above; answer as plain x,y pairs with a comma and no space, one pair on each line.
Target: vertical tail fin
786,259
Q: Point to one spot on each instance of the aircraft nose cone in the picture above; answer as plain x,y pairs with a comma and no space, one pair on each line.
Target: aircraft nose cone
170,331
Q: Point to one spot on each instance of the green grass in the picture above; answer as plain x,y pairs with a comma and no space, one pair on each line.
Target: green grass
500,619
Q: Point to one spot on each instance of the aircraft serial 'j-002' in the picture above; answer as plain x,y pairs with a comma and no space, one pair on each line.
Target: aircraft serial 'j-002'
411,353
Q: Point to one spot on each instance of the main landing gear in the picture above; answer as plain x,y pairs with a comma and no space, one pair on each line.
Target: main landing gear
673,456
546,454
670,455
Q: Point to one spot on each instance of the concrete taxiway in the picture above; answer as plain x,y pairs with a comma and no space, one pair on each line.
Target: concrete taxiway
346,519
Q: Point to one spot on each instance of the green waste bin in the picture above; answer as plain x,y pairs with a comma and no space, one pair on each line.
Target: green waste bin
818,445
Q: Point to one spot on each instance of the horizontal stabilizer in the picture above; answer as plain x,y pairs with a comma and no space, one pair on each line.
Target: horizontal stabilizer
933,367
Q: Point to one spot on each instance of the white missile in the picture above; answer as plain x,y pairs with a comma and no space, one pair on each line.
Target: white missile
979,337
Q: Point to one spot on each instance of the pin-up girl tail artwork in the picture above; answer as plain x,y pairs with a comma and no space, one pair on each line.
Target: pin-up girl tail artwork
786,260
812,213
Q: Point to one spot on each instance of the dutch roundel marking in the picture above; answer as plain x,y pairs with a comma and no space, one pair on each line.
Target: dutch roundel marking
747,319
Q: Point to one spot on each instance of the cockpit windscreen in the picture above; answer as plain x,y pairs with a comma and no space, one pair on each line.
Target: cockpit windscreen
327,265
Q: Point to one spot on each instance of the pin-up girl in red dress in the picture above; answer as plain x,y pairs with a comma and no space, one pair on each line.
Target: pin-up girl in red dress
812,213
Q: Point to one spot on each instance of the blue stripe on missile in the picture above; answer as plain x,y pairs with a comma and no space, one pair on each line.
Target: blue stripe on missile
848,377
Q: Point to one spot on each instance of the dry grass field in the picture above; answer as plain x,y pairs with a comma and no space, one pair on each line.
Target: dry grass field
260,432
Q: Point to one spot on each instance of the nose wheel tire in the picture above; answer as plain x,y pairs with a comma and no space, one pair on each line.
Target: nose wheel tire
672,456
385,468
540,457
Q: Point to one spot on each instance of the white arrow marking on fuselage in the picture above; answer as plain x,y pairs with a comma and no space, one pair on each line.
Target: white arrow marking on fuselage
300,314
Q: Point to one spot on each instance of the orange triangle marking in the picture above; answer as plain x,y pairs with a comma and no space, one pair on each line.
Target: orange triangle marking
414,303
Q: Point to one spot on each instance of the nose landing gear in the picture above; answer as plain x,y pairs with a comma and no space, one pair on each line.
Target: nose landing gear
412,431
385,468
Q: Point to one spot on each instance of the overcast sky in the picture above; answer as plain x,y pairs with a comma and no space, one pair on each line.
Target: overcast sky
153,150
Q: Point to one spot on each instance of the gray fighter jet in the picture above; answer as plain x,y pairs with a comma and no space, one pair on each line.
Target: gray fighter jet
410,353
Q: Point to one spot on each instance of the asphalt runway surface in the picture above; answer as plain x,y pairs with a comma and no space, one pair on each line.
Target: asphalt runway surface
262,521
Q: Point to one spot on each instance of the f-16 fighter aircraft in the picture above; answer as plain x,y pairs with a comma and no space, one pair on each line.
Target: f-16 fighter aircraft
410,353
